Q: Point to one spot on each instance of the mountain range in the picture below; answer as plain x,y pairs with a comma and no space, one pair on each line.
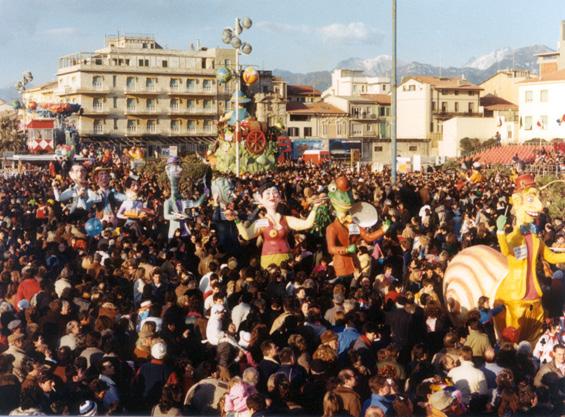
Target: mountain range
476,69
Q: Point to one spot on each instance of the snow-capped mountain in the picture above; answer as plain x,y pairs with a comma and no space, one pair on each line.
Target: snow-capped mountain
476,69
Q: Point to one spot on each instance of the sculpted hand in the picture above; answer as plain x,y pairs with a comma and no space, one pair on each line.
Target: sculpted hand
500,223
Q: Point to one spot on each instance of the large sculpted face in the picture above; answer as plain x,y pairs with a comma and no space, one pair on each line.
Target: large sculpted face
527,205
223,191
103,179
78,175
271,198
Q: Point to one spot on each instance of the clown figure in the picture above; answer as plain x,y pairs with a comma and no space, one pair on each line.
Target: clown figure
133,209
174,209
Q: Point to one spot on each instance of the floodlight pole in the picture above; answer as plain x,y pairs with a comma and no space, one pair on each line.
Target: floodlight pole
393,97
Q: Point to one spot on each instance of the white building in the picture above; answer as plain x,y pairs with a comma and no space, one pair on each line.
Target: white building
347,82
459,128
542,107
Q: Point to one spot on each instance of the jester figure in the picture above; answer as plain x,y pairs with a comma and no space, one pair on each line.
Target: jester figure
519,290
133,209
228,235
343,235
274,228
174,209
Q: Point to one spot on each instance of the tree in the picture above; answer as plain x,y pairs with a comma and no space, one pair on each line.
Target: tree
12,137
469,145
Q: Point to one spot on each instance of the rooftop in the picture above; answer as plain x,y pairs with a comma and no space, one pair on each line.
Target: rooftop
313,108
383,99
495,103
453,83
552,76
302,90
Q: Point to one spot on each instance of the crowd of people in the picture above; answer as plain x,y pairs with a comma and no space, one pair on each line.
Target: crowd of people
134,321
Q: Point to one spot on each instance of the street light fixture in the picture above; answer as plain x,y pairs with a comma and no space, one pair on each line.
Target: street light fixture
230,36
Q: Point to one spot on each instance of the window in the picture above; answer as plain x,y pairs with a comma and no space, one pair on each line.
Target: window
412,148
114,80
191,84
165,64
115,124
150,84
293,131
378,148
174,104
207,126
174,83
433,106
456,107
543,96
307,132
227,62
203,63
207,104
191,104
192,126
97,81
543,121
471,108
98,127
207,85
528,123
143,62
175,126
471,93
324,130
152,126
529,96
132,126
150,104
130,83
115,102
97,104
357,129
131,104
444,107
298,118
340,129
98,61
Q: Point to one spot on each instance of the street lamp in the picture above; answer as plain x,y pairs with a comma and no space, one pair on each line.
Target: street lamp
230,36
393,97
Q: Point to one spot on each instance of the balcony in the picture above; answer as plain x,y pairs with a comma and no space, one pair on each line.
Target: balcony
202,131
95,111
202,111
142,111
191,91
92,90
444,115
134,90
364,116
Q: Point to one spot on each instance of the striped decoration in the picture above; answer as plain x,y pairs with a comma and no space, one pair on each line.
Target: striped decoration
475,271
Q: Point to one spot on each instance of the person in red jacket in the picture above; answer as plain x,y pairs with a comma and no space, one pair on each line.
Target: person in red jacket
28,287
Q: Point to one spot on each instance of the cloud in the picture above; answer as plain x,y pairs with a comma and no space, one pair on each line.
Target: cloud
344,33
351,33
64,31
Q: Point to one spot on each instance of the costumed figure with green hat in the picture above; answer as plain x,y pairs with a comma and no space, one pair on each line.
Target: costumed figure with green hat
348,229
274,228
174,209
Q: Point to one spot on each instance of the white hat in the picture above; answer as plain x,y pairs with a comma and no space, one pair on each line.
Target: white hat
217,309
14,324
244,339
146,304
88,408
159,350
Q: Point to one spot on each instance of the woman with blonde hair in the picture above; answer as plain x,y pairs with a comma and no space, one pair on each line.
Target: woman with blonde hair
333,405
143,344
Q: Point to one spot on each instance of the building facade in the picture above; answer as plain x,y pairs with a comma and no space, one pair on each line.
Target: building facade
348,82
504,84
135,89
549,62
425,102
542,107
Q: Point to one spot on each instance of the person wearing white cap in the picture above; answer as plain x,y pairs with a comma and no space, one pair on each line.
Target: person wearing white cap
88,408
214,331
152,376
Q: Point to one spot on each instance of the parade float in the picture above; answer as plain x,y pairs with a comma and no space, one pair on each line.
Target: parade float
260,145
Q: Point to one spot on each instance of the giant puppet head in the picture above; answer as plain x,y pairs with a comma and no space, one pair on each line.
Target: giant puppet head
526,200
268,197
78,175
174,170
102,177
340,196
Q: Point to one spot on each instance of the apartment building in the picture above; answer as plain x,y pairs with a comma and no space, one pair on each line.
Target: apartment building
549,62
133,89
368,121
425,102
504,84
349,82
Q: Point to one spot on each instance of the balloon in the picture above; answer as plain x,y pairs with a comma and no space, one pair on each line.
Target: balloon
93,227
250,76
32,105
223,74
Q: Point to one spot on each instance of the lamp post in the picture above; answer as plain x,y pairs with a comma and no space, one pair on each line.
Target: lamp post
393,97
231,36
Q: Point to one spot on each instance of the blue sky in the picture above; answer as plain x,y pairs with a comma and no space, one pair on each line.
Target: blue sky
297,35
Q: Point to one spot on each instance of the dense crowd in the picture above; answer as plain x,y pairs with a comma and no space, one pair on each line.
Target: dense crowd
131,321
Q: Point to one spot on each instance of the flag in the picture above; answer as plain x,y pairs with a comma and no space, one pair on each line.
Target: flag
539,124
563,117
